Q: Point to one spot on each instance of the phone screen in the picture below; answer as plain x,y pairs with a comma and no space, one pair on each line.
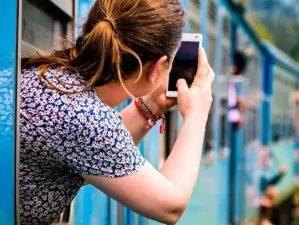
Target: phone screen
184,64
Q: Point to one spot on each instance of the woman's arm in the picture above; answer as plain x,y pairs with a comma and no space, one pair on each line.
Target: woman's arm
161,196
135,122
164,195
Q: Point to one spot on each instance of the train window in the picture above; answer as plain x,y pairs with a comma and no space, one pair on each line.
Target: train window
44,24
171,130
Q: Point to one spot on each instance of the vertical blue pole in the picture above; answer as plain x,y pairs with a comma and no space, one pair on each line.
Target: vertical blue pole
267,90
231,137
222,199
8,111
142,150
129,212
203,12
217,70
239,164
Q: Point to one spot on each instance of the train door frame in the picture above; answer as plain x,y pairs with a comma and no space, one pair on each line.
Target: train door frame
220,142
10,42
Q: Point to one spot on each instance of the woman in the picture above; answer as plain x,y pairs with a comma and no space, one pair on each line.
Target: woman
71,134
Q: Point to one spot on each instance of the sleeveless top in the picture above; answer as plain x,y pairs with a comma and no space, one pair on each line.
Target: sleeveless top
62,137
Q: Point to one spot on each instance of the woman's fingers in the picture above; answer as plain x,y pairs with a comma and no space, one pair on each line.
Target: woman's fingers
204,72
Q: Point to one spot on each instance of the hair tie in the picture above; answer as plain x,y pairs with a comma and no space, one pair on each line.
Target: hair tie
112,24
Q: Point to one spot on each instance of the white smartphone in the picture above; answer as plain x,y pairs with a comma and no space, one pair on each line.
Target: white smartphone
185,62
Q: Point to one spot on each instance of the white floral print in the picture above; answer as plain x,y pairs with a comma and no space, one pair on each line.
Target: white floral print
62,137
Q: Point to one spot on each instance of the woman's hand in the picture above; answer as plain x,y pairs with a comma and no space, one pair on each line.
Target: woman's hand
196,100
158,102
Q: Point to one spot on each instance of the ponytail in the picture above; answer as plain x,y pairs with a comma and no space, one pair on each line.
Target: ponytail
109,50
117,40
106,46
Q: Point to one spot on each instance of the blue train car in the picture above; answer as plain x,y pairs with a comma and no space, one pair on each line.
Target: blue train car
270,125
228,187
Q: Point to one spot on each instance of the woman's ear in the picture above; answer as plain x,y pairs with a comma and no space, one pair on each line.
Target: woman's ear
156,67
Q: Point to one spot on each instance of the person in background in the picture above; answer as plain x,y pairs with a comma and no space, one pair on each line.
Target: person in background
70,134
236,102
233,104
268,180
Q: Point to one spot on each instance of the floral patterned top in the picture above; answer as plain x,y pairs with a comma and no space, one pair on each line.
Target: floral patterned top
62,137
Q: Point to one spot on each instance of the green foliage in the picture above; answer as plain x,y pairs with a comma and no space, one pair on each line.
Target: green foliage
278,22
261,30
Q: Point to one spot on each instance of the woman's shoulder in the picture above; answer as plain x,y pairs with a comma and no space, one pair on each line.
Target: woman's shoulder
66,101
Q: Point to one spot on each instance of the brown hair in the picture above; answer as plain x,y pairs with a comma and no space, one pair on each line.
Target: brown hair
118,37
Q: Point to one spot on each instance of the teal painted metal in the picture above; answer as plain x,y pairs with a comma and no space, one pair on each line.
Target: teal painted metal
152,154
112,212
203,12
141,220
217,70
129,214
8,110
231,136
281,59
267,90
239,167
222,165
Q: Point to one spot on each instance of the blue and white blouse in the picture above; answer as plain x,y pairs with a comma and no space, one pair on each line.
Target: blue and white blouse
62,137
